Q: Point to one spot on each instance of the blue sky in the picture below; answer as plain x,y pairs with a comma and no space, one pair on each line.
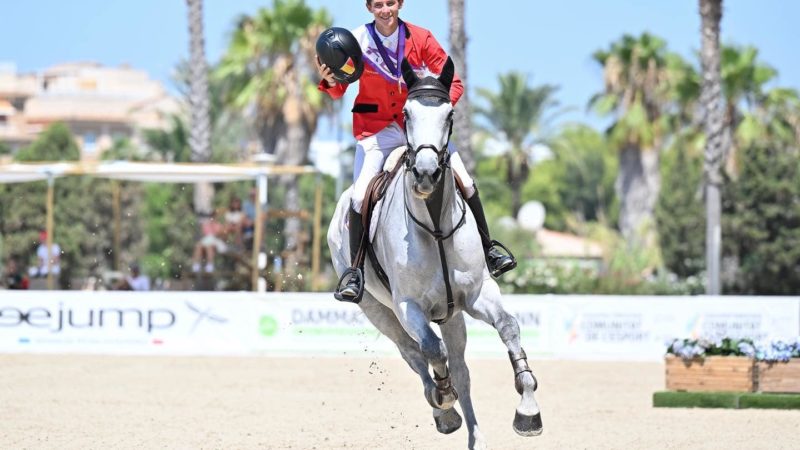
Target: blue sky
551,41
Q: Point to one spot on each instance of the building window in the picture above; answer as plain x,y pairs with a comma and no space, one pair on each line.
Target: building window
89,143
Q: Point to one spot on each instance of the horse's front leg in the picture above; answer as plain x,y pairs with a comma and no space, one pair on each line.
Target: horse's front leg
487,307
454,333
386,322
417,325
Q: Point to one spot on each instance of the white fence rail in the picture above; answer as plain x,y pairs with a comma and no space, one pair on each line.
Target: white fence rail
206,323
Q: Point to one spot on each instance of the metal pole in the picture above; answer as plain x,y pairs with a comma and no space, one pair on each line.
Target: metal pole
315,250
49,229
116,209
261,204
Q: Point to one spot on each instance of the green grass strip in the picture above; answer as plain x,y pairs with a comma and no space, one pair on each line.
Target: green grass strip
671,399
729,400
770,401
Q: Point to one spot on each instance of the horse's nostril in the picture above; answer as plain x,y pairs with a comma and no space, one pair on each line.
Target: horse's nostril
415,172
436,174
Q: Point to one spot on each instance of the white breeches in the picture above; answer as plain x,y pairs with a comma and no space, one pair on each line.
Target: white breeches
371,154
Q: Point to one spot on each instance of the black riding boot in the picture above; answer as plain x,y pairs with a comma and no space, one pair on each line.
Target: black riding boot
352,291
497,262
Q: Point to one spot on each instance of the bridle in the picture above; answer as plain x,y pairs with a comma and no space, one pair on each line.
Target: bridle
443,154
428,87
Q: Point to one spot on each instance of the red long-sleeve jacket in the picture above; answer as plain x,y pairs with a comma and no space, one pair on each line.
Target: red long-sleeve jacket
379,101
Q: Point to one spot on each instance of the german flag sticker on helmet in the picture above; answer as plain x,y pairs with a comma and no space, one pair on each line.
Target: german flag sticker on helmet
349,67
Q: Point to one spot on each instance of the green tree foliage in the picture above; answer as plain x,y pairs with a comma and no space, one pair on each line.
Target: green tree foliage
762,221
587,170
576,184
519,114
171,229
4,149
170,145
680,214
82,214
744,81
54,144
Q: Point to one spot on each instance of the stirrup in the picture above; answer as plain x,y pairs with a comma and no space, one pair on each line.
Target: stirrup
350,274
501,270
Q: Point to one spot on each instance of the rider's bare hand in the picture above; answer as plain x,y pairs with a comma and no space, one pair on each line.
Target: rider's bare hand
325,73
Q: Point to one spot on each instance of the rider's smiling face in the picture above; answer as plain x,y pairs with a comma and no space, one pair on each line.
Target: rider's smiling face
385,12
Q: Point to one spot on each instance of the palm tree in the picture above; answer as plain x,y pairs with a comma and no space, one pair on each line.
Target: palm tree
776,120
268,68
200,131
636,94
520,114
743,87
462,124
712,102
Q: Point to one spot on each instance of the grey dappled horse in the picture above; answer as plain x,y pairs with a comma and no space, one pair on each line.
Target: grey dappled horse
421,216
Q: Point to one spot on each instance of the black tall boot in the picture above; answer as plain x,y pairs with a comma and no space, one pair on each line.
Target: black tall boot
497,262
353,290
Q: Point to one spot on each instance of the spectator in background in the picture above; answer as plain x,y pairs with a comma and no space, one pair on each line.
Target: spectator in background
249,208
13,278
234,222
209,244
136,281
42,255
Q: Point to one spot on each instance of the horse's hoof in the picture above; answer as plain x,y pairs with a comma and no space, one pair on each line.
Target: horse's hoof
448,422
528,425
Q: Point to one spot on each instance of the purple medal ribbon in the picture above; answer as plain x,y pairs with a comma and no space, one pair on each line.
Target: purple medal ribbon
401,48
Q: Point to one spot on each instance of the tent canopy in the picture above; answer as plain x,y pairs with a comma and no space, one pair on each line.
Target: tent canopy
23,173
146,172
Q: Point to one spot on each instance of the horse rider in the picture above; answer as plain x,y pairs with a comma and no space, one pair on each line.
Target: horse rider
378,120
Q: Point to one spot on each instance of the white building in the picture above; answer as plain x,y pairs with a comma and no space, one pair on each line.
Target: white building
99,104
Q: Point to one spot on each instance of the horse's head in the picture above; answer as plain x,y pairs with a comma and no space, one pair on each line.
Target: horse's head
429,121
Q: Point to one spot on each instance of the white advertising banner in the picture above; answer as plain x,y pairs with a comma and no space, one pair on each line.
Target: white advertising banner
208,323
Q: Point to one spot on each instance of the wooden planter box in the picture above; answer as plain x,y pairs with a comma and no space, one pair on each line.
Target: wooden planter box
712,373
778,377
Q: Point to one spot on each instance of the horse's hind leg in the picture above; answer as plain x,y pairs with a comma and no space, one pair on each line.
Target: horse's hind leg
454,333
487,307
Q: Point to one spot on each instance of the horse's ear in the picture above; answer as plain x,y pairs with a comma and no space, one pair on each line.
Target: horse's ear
448,72
409,76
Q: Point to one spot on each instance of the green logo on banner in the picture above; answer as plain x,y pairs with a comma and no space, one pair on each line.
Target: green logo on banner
268,326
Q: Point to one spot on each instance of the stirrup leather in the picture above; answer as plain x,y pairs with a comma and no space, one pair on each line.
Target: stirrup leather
354,278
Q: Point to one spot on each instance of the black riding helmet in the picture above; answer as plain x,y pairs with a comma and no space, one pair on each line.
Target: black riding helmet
338,49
